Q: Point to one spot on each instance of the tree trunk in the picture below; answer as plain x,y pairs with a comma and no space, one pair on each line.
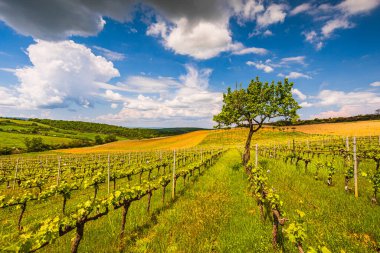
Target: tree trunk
78,237
247,149
277,220
299,247
23,208
126,206
149,198
64,204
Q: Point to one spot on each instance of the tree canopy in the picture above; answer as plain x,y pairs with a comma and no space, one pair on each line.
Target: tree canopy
255,105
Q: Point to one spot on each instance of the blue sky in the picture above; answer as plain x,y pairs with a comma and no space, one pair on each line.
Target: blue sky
159,63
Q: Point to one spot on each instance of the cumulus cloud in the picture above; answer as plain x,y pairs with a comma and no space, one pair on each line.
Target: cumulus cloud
267,33
275,13
192,100
199,29
61,73
239,49
314,38
202,40
306,104
375,84
295,75
335,103
353,7
294,59
56,20
334,17
261,66
299,94
110,55
248,10
333,25
300,9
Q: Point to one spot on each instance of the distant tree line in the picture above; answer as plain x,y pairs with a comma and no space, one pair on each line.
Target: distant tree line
130,133
328,120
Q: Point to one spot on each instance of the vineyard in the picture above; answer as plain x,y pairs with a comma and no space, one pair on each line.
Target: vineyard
299,193
94,184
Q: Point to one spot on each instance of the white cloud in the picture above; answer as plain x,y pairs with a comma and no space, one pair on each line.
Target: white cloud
333,25
113,96
375,84
261,66
157,29
300,8
353,7
239,49
200,29
275,13
299,94
315,39
331,97
110,55
7,97
306,104
295,59
62,73
9,70
56,20
203,40
114,105
248,10
296,75
335,17
192,100
144,84
343,104
267,33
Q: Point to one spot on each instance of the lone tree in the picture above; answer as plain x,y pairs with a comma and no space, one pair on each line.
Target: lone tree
255,105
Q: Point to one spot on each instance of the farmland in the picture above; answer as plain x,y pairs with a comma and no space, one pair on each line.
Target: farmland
119,197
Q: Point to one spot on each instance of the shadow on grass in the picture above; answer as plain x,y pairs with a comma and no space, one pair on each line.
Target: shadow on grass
140,231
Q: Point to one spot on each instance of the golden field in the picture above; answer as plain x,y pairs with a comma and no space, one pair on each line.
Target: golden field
359,128
236,136
187,140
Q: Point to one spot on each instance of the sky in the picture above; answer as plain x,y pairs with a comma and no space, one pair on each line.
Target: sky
163,63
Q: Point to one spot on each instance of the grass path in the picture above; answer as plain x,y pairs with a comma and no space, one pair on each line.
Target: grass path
213,216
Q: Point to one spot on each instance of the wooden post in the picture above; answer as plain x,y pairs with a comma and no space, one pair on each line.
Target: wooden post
173,179
256,155
14,181
108,177
355,170
129,158
59,170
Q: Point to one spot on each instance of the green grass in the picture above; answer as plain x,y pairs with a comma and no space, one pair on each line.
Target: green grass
333,217
17,139
214,216
13,133
216,213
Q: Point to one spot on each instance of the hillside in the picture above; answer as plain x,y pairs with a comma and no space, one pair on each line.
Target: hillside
46,134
